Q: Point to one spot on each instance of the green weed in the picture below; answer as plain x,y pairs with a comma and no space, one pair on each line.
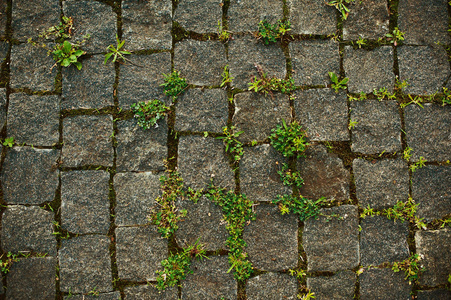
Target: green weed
173,84
383,93
232,145
269,33
411,267
223,35
7,261
290,140
336,84
266,85
340,5
303,207
290,177
361,42
9,142
395,36
116,52
148,113
418,165
226,78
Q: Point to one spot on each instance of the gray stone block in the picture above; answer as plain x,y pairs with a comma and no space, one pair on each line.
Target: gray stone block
85,206
340,286
85,264
148,292
4,46
312,17
244,15
30,176
34,120
100,296
272,286
87,141
3,17
383,284
200,16
440,294
332,243
330,123
2,108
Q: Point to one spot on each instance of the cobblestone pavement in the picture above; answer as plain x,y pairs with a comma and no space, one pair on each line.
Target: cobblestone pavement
81,179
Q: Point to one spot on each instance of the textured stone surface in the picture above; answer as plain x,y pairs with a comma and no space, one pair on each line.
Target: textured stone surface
85,206
148,292
2,107
381,184
199,15
383,284
272,286
4,46
30,176
87,141
440,294
139,251
100,296
369,70
3,17
332,243
244,15
34,120
367,19
339,286
272,239
378,126
85,264
312,17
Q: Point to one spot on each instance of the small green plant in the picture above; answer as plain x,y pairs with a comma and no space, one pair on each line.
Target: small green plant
369,212
401,85
226,78
310,295
407,153
290,177
352,124
9,142
269,33
7,261
337,85
94,292
340,5
266,85
362,96
148,113
418,165
67,54
290,140
411,267
446,97
361,42
301,206
116,52
232,145
395,37
383,93
60,32
223,35
173,84
415,100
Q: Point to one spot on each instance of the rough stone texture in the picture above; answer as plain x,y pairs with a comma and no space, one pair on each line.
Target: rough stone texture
148,292
383,284
135,196
199,15
202,110
272,239
34,120
141,80
210,280
245,53
3,17
257,114
85,206
32,68
258,173
85,264
244,15
367,19
424,21
369,70
324,175
200,62
147,24
272,286
32,278
428,131
203,221
2,108
425,68
139,252
202,159
440,294
330,123
90,87
87,141
29,20
312,17
30,176
139,149
4,46
435,248
312,60
381,184
340,286
93,18
101,296
332,244
378,126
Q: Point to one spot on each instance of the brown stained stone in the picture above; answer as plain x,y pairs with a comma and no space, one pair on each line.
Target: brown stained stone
383,284
200,16
272,286
312,17
149,292
340,286
244,15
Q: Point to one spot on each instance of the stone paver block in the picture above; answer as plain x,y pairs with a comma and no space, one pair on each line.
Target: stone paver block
440,294
87,141
100,296
139,252
428,131
28,229
330,123
30,176
200,16
244,15
210,280
203,221
381,184
369,70
147,24
32,278
2,107
4,46
272,286
200,62
332,243
3,17
85,206
85,264
259,179
245,53
202,159
90,87
257,114
135,196
383,284
34,119
139,149
425,68
93,18
312,17
148,292
324,175
340,286
424,21
378,126
141,80
435,248
202,110
312,60
272,239
367,19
